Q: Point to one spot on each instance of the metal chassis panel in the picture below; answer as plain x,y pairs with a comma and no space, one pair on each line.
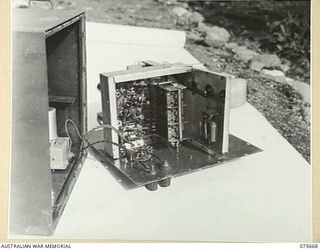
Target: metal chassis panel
131,177
199,158
108,90
108,83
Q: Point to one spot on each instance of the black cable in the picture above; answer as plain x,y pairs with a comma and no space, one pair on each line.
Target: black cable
162,162
83,139
110,127
144,165
90,144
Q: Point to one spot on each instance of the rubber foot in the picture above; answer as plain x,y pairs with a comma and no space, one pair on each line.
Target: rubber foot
165,182
152,186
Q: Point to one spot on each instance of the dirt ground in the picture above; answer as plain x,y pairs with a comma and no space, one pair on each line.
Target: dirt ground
279,103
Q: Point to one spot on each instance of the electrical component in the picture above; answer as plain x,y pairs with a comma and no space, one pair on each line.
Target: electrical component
168,120
59,153
60,147
168,110
52,123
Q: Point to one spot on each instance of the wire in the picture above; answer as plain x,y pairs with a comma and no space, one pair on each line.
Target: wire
67,132
162,162
90,144
146,168
92,130
75,126
84,139
111,127
96,142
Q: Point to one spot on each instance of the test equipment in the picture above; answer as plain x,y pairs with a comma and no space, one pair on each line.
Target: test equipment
162,121
158,121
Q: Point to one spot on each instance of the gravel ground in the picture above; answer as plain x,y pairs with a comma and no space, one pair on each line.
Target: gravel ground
279,103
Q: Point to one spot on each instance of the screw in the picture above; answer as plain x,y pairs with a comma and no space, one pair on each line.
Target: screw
152,170
165,164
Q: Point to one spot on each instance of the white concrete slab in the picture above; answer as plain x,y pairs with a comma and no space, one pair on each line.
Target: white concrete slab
262,197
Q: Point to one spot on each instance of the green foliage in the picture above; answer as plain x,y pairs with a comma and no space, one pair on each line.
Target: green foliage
276,26
290,39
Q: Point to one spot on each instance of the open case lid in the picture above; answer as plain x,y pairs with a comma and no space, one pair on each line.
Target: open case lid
47,44
39,20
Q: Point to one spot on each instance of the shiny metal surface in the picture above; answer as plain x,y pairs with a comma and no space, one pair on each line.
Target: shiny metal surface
196,81
220,83
142,105
108,100
188,159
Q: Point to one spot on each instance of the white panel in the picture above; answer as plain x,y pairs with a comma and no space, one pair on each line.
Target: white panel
132,35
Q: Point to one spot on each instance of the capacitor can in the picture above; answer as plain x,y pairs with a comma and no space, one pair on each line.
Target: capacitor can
52,116
213,131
